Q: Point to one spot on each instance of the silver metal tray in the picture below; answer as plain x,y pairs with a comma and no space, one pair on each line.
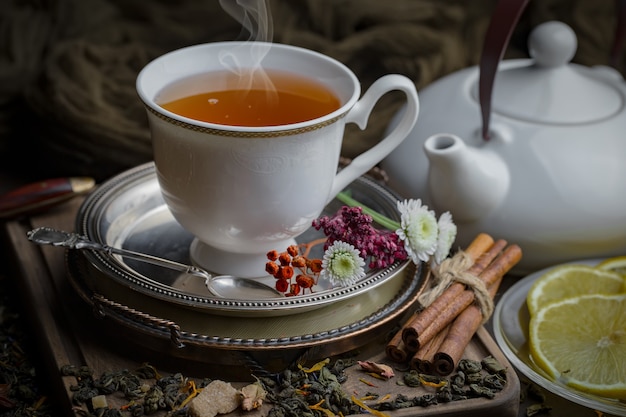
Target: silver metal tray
128,212
197,335
229,346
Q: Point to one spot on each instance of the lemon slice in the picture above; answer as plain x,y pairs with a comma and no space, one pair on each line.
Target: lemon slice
581,341
572,280
616,264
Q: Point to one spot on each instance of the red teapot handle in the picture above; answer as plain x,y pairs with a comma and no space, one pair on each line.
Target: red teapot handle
503,21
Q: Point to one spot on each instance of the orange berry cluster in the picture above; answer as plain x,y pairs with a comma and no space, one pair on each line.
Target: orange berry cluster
283,266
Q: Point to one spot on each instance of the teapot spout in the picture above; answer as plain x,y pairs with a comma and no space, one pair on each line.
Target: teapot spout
469,182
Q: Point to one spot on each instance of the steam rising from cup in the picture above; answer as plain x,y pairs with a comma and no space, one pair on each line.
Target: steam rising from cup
256,19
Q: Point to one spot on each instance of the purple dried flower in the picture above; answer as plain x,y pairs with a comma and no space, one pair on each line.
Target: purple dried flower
352,226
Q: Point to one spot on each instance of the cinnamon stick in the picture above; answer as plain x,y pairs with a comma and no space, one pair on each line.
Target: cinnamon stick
424,359
467,323
466,297
507,260
459,334
395,349
447,306
481,244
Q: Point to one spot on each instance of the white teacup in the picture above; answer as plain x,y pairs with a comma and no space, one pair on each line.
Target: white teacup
242,191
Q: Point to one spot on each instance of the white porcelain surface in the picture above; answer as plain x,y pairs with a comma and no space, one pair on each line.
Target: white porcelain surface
553,183
244,190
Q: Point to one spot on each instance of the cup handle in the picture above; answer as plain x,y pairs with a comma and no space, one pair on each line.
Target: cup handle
359,114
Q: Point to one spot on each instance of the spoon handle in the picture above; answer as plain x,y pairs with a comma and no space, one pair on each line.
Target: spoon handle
54,237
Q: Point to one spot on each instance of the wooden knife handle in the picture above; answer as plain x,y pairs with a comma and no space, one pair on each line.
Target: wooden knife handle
43,194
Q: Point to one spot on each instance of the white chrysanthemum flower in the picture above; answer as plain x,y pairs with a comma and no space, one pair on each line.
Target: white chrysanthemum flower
342,264
447,235
418,229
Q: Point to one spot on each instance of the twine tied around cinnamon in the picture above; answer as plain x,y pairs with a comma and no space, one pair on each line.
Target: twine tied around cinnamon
455,269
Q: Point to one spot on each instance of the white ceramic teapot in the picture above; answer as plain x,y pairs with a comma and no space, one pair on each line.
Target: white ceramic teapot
547,168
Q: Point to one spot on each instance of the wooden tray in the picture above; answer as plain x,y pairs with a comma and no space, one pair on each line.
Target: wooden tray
71,333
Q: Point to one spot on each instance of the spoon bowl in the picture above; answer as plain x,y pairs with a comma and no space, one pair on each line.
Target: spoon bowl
223,286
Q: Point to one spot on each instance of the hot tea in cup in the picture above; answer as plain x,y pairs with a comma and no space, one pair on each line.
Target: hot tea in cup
259,98
251,176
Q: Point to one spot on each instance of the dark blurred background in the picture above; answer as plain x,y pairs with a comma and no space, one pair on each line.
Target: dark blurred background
68,104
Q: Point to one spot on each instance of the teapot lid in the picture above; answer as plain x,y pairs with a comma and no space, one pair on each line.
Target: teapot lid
551,90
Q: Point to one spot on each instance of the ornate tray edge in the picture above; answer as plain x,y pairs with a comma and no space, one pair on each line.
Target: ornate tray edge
167,329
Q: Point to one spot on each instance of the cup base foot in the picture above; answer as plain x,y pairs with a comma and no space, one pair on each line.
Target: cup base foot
217,261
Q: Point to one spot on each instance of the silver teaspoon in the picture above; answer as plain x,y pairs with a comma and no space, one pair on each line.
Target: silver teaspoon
225,286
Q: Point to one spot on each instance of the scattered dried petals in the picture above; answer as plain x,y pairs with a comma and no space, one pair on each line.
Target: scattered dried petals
253,396
319,407
315,367
369,397
384,398
430,381
369,384
377,368
368,409
375,375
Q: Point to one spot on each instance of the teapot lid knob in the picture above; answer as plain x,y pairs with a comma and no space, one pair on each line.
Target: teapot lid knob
552,44
549,89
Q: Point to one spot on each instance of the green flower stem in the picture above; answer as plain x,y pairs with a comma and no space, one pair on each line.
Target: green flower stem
382,220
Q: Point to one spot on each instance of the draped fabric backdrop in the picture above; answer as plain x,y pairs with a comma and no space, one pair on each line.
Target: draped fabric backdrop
68,104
